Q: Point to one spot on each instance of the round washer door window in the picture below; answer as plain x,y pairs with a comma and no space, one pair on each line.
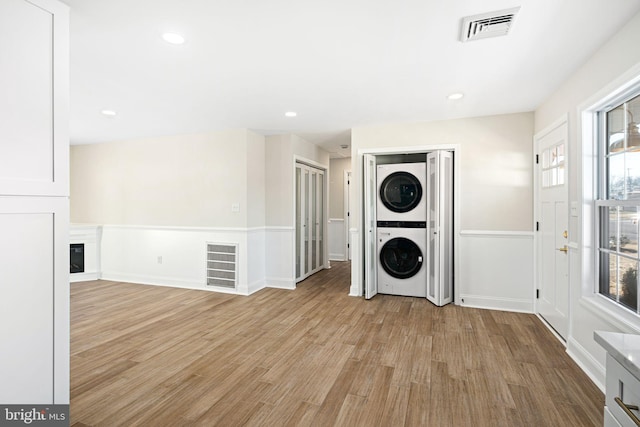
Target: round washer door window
401,258
400,192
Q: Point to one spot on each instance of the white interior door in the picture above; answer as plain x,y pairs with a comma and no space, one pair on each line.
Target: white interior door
552,265
370,253
440,227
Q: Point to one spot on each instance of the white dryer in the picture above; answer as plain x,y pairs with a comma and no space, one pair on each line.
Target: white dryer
402,256
402,192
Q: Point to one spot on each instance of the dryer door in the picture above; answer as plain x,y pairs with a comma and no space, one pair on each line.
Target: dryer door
400,192
401,258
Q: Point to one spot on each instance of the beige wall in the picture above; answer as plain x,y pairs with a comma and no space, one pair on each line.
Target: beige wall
186,180
494,165
337,167
281,151
256,184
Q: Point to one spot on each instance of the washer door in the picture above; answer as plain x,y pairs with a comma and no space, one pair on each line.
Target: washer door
401,258
400,192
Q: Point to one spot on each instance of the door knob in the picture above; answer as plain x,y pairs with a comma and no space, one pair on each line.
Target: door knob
564,249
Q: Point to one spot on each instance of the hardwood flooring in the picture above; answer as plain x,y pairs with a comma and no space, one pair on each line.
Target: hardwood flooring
157,356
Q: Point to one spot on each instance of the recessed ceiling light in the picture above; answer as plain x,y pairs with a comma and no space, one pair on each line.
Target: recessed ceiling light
108,113
290,114
455,96
173,38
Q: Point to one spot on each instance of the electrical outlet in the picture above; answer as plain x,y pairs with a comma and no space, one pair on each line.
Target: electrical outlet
235,207
160,260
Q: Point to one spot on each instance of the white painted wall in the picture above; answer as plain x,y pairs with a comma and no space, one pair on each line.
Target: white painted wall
495,195
608,64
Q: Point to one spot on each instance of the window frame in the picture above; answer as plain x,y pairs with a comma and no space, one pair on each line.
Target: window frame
603,199
589,164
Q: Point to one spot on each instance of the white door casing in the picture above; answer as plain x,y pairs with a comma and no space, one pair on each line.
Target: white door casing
347,213
552,231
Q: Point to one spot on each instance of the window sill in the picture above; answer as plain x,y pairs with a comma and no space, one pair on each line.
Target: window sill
611,313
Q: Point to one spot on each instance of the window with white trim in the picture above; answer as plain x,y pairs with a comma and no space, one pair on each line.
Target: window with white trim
618,204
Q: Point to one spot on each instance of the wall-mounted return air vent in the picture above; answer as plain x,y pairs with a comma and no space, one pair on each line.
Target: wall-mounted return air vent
492,24
222,263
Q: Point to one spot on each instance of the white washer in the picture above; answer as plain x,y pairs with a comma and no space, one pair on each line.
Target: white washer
402,192
402,256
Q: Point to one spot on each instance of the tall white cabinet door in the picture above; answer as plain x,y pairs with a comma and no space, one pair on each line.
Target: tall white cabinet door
34,102
34,301
34,202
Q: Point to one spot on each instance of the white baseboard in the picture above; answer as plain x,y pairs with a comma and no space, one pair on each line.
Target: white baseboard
495,303
594,370
337,257
256,286
171,282
280,283
83,277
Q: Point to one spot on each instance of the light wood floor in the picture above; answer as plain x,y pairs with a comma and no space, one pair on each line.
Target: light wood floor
156,356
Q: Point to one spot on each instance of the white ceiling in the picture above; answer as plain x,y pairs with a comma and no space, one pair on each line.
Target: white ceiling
338,63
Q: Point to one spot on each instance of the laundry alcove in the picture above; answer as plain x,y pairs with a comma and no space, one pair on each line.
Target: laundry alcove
408,224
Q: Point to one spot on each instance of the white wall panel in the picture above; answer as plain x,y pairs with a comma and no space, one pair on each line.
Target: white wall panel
496,270
169,256
279,257
337,236
255,263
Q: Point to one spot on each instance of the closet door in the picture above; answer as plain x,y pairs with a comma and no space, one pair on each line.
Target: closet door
310,215
369,229
440,227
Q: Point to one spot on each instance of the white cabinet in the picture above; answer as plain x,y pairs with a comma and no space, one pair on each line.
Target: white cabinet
622,399
34,212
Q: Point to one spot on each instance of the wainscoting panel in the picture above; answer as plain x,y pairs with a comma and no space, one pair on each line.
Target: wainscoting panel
496,270
176,256
337,244
279,257
255,262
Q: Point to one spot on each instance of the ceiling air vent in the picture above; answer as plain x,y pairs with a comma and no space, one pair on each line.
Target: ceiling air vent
492,24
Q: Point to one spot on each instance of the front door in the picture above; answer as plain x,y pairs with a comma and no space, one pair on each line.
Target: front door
552,238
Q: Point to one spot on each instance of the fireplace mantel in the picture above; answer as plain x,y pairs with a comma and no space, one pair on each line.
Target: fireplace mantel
90,235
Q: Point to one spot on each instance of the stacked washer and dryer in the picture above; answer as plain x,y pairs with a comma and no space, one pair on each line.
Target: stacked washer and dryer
401,215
